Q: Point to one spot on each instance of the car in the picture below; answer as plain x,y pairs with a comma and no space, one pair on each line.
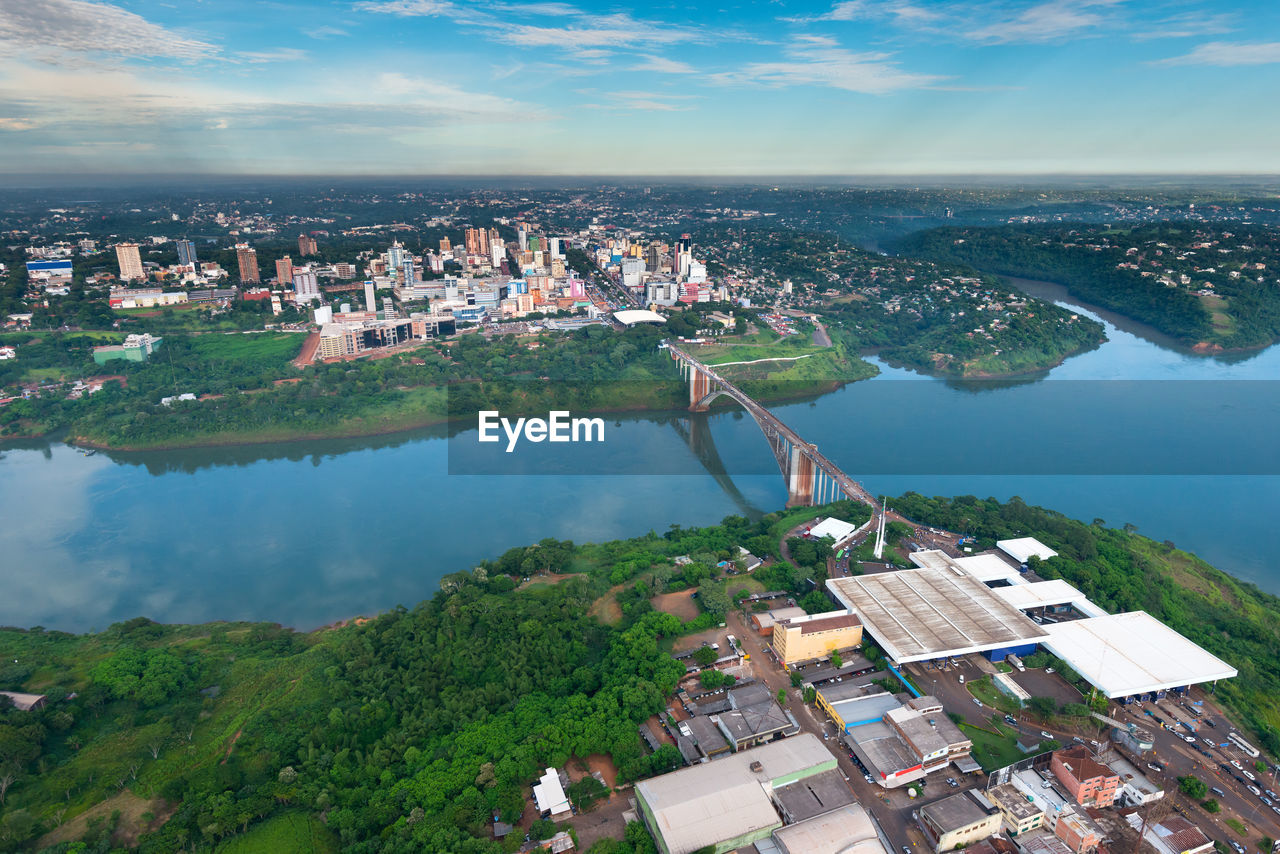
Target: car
1248,773
1190,739
1266,800
1239,849
906,850
1255,790
1048,670
1044,734
1276,810
1271,794
1010,720
1154,767
867,777
977,702
1077,739
1236,763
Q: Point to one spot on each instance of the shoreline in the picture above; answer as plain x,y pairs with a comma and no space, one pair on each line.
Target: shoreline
821,388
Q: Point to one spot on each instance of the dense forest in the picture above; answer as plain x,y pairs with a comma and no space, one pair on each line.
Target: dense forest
1197,283
938,318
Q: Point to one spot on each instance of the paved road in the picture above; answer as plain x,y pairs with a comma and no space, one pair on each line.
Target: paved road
820,336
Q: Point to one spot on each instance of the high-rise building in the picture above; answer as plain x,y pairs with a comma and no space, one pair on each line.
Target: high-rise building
408,274
498,252
130,262
555,248
186,253
484,241
473,241
284,270
247,257
305,287
395,255
445,246
306,245
370,297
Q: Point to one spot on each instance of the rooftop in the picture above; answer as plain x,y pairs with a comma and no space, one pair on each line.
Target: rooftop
632,316
1014,802
833,528
847,830
829,621
695,807
919,614
1080,762
1025,547
1133,653
814,796
956,811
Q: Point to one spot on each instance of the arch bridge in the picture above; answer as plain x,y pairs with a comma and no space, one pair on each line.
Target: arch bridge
811,478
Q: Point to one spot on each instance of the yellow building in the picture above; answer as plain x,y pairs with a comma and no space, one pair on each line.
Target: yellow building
816,636
959,820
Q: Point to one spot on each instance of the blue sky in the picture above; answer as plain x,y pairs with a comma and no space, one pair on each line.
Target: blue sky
862,87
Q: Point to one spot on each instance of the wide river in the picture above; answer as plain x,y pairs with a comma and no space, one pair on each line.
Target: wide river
1182,446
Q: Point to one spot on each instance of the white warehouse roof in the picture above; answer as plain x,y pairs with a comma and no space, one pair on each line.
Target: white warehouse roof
833,528
632,316
707,804
1025,547
1133,653
1042,594
548,794
989,567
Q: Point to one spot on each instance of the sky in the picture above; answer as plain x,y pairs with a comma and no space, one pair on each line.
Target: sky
434,87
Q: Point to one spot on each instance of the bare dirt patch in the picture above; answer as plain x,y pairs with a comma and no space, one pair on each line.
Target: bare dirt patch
606,608
131,825
680,604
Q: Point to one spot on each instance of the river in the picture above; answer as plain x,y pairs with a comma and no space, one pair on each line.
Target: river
307,533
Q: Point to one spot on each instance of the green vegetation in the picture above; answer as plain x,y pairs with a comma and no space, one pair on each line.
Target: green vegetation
1122,571
993,748
1196,282
1193,787
1236,825
941,320
293,832
986,691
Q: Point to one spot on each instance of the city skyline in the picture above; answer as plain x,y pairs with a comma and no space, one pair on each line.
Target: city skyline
863,87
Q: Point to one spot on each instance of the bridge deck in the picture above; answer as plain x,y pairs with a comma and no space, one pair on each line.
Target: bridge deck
763,416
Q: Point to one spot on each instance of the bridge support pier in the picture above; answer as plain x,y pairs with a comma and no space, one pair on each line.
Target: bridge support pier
800,479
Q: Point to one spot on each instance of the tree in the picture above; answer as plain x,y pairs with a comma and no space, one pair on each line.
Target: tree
1211,806
705,656
782,696
796,679
810,694
1192,787
837,660
1043,707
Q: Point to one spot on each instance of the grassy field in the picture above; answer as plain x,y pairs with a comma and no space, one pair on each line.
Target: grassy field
289,833
993,748
259,347
986,691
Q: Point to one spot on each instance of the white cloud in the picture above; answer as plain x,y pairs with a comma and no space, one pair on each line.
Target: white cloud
50,29
820,61
325,32
662,65
1228,54
900,12
1189,25
280,54
1050,21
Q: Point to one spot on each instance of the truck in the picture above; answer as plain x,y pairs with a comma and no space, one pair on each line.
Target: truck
1016,662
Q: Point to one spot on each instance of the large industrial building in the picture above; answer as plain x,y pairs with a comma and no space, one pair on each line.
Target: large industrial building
1123,655
728,803
984,603
923,614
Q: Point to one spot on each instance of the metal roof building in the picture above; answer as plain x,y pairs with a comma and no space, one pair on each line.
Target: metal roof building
833,528
1025,547
1134,653
726,803
920,614
848,830
1046,594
